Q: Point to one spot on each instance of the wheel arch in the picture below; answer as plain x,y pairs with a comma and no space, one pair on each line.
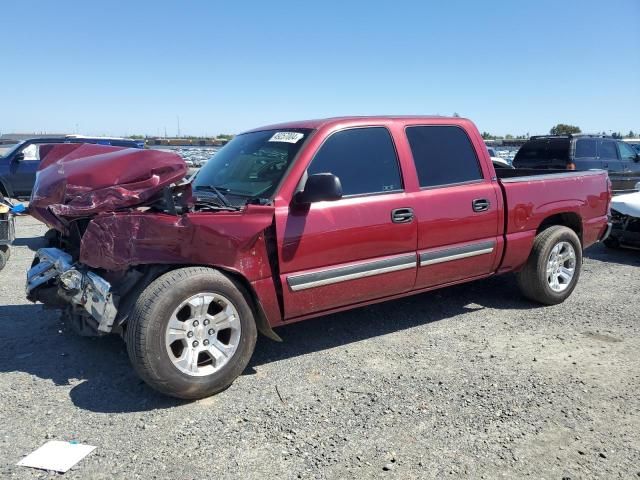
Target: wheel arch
570,220
154,271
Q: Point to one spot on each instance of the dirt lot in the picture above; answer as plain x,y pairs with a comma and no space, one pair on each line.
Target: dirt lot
468,382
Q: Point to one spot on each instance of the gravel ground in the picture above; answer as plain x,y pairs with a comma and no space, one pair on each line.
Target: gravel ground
467,382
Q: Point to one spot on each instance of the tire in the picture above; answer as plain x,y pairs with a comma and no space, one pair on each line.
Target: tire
533,280
170,299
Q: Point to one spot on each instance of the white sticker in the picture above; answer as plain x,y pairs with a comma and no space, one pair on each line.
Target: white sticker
288,137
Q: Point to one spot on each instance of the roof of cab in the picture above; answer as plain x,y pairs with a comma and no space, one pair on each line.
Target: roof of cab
323,122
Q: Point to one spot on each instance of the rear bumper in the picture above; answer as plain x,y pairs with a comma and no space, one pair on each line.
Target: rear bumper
607,232
74,284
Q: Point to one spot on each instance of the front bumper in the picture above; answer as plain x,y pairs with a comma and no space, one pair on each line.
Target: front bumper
75,284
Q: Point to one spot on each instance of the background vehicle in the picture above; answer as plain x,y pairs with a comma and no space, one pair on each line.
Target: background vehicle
583,152
634,142
498,162
18,165
625,218
290,222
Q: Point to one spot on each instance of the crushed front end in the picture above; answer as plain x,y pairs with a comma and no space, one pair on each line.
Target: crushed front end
56,280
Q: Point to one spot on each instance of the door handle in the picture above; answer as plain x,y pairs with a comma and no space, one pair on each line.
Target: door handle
402,215
480,205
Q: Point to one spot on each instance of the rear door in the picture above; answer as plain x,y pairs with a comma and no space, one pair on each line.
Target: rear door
358,248
458,208
586,154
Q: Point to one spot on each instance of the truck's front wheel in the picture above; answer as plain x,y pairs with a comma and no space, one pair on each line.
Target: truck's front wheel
191,333
553,268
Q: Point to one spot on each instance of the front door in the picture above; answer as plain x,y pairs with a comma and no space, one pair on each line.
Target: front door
457,208
630,173
355,249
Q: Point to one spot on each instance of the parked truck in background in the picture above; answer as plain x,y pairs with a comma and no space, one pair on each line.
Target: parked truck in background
290,222
583,152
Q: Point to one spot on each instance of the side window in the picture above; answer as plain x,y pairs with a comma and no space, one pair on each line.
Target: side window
627,153
31,152
607,149
586,148
443,155
364,159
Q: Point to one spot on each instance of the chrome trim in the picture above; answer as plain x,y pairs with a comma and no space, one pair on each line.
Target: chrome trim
456,253
552,176
332,275
607,232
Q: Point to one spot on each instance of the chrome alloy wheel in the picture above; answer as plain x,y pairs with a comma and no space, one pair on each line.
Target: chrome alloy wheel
203,334
561,266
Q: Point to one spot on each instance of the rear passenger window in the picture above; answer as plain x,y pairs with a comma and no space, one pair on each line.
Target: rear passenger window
364,159
443,155
607,149
586,149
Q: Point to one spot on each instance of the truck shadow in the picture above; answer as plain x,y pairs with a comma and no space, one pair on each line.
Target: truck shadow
351,326
32,243
621,256
99,377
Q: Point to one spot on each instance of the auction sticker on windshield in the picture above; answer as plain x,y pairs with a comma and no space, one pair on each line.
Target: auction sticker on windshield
288,137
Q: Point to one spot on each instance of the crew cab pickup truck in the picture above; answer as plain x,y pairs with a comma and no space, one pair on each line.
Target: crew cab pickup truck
290,222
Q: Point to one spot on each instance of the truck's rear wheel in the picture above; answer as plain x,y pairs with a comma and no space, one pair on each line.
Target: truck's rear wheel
191,333
553,268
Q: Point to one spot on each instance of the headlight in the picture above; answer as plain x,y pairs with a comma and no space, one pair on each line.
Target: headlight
638,186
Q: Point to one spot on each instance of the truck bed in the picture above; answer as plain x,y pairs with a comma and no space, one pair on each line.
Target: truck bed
531,196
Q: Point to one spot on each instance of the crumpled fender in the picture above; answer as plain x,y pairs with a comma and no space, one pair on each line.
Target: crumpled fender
233,240
80,179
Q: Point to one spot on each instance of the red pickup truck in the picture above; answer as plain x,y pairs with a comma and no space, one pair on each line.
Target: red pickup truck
289,222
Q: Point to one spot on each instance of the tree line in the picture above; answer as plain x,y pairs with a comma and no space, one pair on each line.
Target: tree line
559,129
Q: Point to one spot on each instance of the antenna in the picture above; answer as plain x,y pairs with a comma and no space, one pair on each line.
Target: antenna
178,117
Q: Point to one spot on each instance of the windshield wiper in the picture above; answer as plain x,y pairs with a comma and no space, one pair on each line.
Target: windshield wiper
219,194
235,192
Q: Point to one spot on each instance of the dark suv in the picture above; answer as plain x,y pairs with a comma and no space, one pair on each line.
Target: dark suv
19,164
583,152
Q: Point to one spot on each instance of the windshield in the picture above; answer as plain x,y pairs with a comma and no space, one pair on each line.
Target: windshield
12,149
252,164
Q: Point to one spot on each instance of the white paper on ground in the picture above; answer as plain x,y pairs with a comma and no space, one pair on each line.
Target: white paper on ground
56,455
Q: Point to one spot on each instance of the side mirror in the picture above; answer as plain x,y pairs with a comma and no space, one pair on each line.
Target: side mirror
637,159
320,187
18,157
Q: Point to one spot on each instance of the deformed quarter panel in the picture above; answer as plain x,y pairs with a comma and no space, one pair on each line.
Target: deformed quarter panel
115,242
118,241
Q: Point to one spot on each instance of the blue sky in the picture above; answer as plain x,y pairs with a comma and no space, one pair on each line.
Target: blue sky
128,67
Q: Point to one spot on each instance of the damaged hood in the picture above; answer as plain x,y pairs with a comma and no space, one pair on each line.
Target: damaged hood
80,180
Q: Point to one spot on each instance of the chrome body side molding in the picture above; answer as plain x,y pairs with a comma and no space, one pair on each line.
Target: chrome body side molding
449,254
351,272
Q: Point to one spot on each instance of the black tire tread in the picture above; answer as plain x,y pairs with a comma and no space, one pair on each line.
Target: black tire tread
529,278
137,331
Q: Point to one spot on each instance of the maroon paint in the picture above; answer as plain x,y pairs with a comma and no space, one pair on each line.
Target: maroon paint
81,179
325,234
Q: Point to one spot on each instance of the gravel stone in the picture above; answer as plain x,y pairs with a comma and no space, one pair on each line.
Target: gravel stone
443,383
